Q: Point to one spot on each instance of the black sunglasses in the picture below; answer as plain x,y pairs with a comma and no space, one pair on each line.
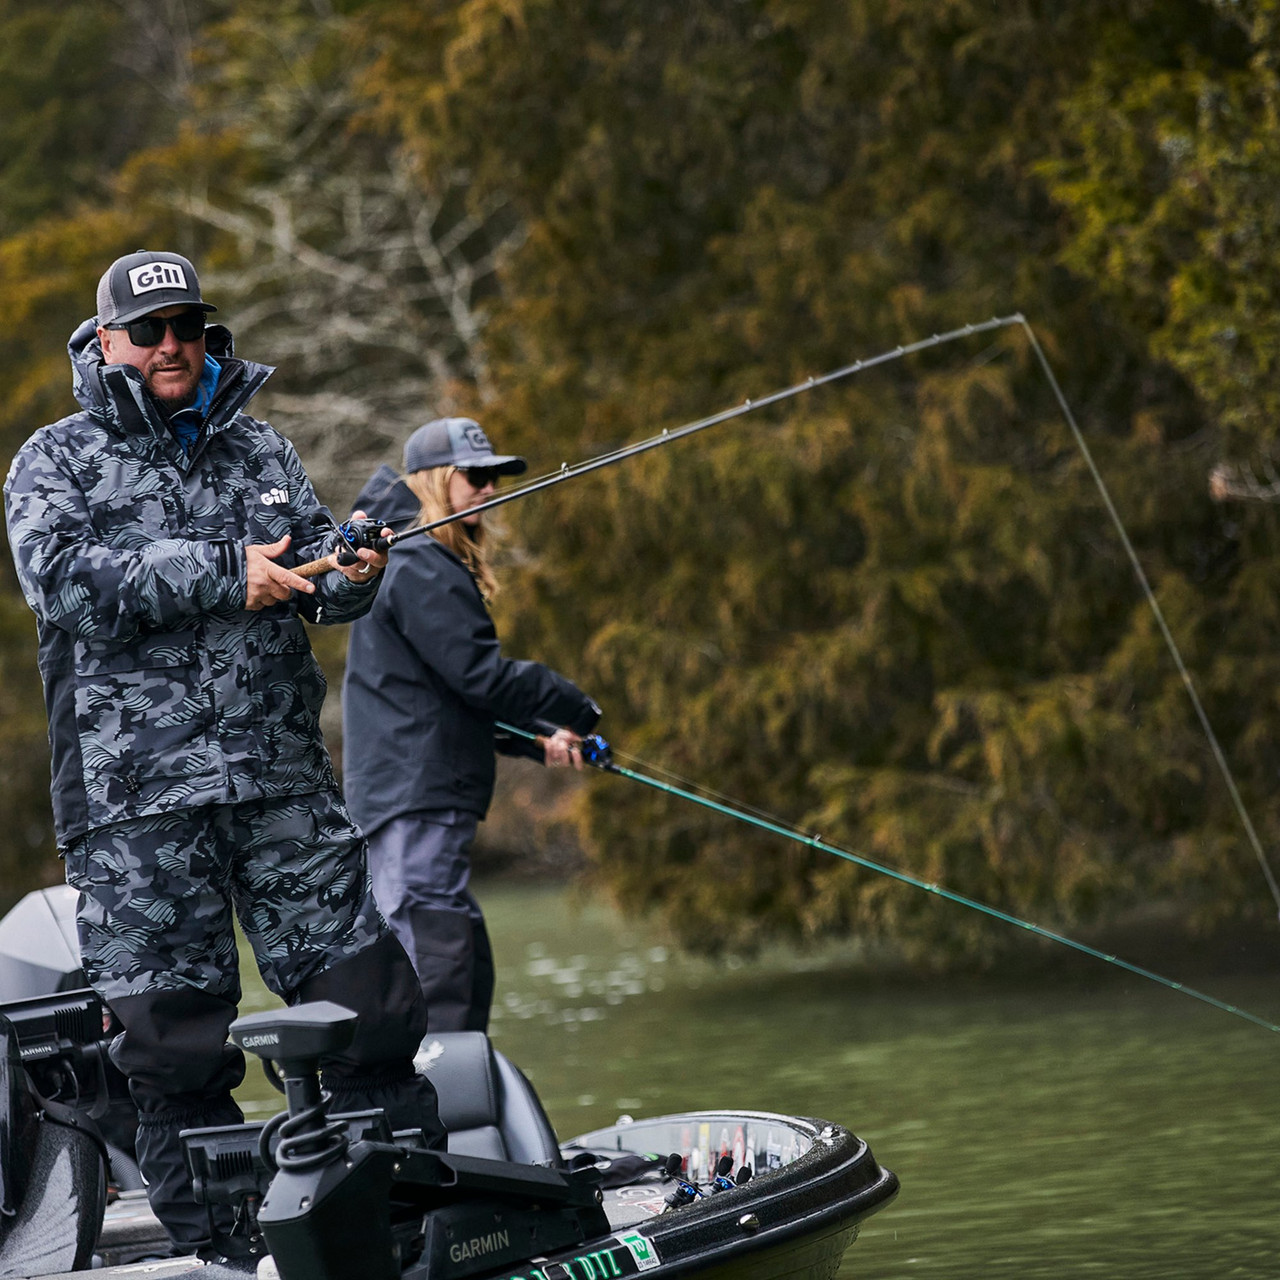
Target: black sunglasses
187,326
478,477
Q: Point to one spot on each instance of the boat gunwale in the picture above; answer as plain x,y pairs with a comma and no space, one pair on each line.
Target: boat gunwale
835,1159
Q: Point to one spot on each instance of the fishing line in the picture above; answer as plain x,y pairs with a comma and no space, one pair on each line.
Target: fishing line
669,775
599,755
367,533
1172,644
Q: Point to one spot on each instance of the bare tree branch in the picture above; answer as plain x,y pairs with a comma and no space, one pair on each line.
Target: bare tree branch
365,280
1238,480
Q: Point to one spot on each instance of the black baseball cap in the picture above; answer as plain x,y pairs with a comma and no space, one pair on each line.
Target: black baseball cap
145,281
457,442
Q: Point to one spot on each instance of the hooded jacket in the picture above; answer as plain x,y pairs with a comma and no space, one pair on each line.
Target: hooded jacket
426,680
162,690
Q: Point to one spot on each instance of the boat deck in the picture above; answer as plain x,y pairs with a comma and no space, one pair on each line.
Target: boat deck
813,1183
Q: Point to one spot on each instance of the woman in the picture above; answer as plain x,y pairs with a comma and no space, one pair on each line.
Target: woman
425,683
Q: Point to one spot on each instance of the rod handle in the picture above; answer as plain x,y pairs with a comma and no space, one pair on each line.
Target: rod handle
314,568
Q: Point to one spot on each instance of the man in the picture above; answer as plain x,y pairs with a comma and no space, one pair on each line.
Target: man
153,533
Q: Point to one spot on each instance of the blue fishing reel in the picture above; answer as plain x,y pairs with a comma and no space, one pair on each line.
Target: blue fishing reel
722,1181
357,534
684,1192
597,752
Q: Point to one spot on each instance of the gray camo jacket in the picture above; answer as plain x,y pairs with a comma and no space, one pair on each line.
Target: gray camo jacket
162,691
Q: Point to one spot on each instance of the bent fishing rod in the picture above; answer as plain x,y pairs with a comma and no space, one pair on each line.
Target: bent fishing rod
597,753
355,534
368,533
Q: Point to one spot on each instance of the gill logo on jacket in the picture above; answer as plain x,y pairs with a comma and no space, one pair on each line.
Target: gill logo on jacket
275,497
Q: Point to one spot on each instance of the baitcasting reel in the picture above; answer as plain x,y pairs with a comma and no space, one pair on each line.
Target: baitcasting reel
596,751
357,534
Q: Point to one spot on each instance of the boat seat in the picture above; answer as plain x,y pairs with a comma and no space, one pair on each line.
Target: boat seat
53,1183
487,1104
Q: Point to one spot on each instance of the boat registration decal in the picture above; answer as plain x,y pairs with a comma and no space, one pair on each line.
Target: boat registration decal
643,1250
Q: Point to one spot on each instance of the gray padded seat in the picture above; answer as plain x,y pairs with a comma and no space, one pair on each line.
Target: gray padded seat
486,1103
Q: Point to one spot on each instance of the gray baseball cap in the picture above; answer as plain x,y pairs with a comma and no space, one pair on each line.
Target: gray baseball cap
145,281
457,442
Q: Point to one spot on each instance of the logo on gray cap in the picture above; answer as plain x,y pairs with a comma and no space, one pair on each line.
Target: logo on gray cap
157,275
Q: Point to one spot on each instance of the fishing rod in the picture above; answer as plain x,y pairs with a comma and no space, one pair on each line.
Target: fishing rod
355,534
368,533
599,755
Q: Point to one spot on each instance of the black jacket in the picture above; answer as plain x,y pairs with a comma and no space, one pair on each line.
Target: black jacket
426,680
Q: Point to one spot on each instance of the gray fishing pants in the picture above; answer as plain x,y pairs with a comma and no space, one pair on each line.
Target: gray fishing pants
420,866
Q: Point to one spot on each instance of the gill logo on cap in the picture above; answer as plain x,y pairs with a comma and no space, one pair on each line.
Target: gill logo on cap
476,438
157,275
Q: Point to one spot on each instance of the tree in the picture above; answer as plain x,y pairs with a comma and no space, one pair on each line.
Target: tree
895,613
1170,160
69,117
356,271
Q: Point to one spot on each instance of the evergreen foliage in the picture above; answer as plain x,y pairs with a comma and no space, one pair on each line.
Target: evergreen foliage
896,612
84,85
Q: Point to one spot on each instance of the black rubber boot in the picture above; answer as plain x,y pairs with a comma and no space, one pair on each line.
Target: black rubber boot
454,960
443,957
181,1071
380,986
483,977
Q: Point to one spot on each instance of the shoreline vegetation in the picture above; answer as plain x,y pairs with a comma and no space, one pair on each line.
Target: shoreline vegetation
892,610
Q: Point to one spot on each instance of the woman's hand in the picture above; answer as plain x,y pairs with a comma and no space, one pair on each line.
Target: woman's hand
562,748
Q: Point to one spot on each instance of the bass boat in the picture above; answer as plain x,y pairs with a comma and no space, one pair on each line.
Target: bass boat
322,1196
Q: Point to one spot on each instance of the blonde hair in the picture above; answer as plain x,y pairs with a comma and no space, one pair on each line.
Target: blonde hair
431,487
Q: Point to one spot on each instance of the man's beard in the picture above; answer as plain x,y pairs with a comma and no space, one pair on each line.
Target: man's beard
173,403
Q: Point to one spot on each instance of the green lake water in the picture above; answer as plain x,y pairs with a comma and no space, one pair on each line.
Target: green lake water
1095,1125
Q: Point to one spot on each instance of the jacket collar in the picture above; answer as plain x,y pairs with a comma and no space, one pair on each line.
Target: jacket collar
386,497
117,395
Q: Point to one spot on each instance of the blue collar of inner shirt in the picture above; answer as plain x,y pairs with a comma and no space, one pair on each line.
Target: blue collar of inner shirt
207,385
186,423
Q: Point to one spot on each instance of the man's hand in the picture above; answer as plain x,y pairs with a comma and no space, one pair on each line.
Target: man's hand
373,562
268,582
564,747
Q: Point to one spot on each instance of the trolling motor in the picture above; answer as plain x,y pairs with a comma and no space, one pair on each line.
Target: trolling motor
346,1197
316,1189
